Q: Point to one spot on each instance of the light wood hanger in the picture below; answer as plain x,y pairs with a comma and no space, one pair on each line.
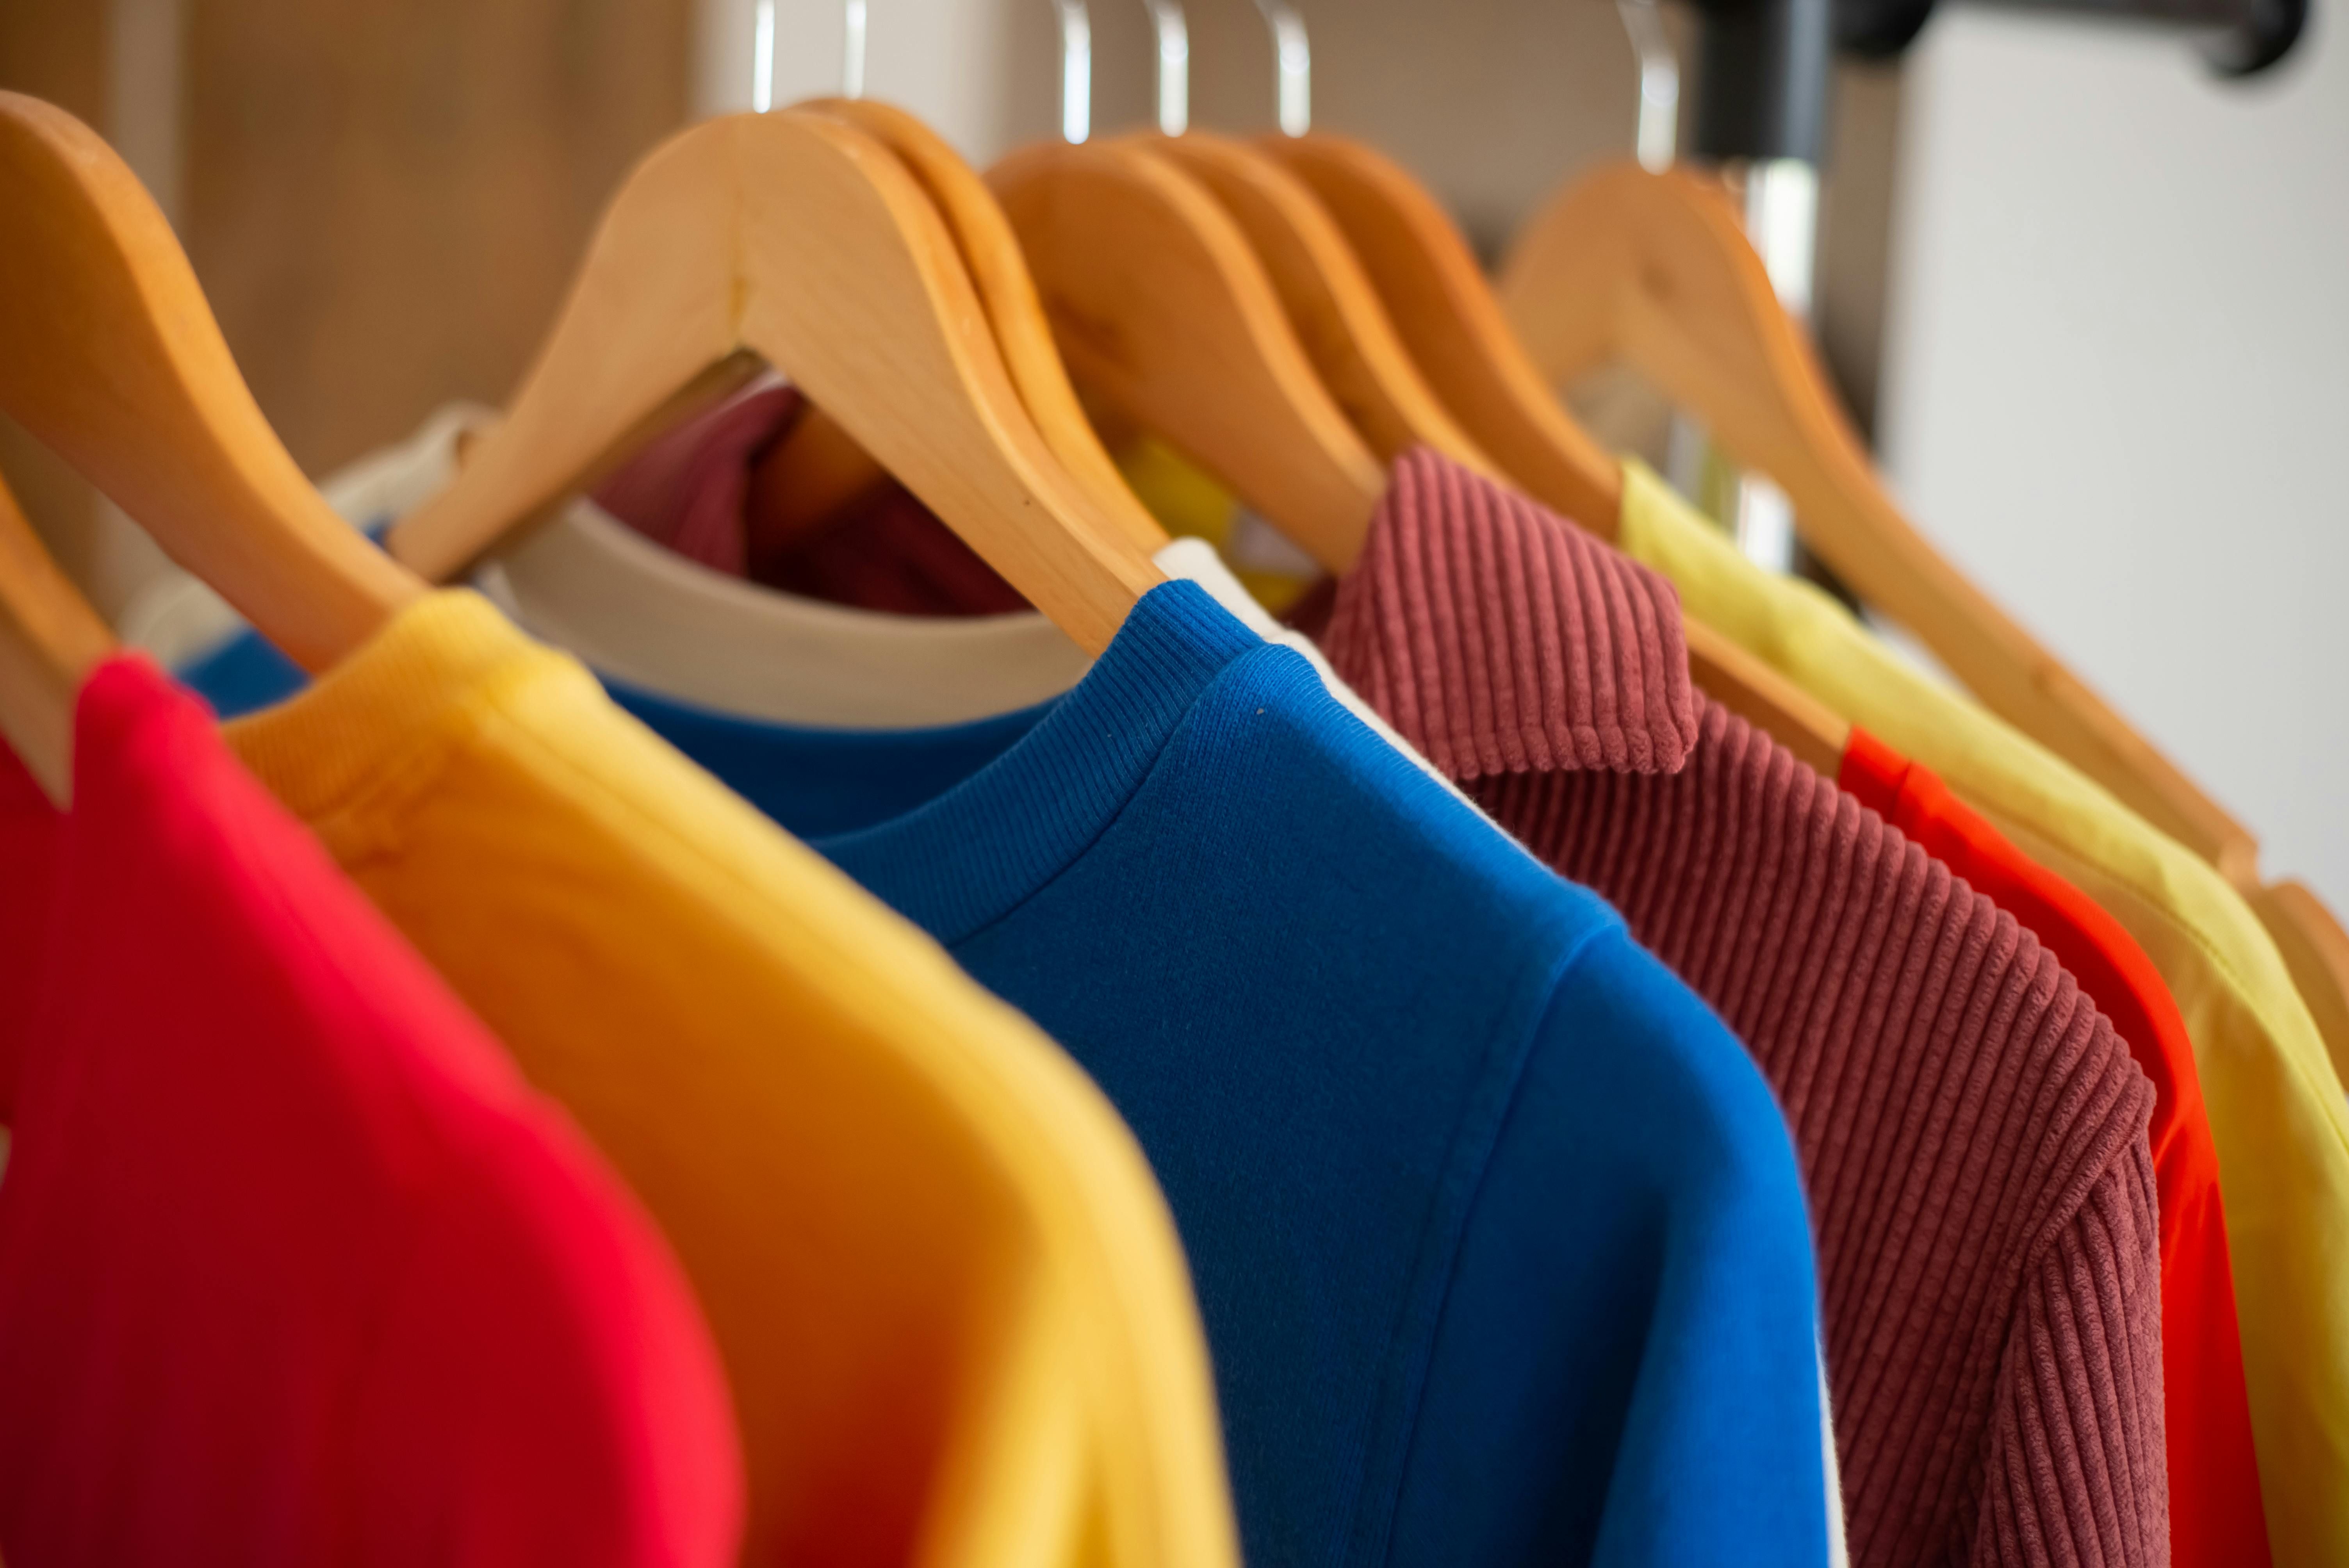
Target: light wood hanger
1329,300
1161,309
798,239
109,356
1439,300
50,639
983,237
1440,303
1655,270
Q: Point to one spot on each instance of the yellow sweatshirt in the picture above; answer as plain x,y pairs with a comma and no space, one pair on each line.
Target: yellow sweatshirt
954,1312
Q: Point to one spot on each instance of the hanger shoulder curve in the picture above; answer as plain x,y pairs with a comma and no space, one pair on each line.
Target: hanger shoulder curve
50,639
1157,303
651,310
1445,313
1327,297
991,252
110,356
1655,270
801,240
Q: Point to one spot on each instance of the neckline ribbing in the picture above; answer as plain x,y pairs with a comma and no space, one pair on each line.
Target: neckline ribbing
964,859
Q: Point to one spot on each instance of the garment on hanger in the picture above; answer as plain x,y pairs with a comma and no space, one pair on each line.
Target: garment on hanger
931,1258
293,1267
1543,671
641,615
1367,1043
2214,1484
1973,1132
1033,817
2276,1109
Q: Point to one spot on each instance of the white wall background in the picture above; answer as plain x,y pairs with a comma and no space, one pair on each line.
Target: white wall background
2117,386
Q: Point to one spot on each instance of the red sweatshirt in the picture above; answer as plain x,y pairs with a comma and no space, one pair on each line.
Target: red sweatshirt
293,1267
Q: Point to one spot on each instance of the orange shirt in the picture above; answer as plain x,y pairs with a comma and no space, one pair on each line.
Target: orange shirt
2215,1515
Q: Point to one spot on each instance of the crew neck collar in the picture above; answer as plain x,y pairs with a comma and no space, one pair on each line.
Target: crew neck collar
965,858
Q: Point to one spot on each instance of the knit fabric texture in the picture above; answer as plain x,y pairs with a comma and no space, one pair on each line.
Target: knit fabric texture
1973,1132
2216,1517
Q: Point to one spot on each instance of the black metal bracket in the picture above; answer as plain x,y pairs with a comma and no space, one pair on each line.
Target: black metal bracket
1764,65
2242,37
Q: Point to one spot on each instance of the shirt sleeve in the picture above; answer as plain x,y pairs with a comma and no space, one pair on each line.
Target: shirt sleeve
2074,1467
1632,1325
543,1390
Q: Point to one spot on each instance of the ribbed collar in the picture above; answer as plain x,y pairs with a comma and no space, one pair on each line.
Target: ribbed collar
966,857
1499,638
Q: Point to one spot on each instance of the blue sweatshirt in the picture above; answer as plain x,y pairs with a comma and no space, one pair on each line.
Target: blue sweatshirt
1496,1229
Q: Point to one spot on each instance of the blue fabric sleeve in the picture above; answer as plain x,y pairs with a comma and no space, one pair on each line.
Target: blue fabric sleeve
242,674
1643,1163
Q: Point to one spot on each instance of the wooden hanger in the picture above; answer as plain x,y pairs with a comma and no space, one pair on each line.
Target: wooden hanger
109,356
991,250
50,639
1160,308
798,239
1655,270
1329,300
1437,298
1440,303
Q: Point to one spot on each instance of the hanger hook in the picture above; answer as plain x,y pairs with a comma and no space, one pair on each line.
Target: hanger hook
762,57
1173,64
852,51
1292,56
1659,82
1076,70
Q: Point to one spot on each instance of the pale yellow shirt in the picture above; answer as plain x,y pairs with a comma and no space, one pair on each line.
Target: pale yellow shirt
953,1310
2276,1107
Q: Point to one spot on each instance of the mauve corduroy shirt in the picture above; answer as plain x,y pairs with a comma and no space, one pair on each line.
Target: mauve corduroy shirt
2216,1518
1973,1132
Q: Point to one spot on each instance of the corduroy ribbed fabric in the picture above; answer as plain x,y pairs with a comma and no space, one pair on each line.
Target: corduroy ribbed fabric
2215,1515
1973,1132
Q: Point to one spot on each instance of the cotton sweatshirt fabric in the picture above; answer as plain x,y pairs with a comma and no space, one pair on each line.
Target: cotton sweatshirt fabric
2276,1109
293,1268
1496,1230
951,1305
1972,1133
2215,1517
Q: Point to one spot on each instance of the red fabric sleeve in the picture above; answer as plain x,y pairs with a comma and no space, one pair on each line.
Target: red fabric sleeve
2215,1515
